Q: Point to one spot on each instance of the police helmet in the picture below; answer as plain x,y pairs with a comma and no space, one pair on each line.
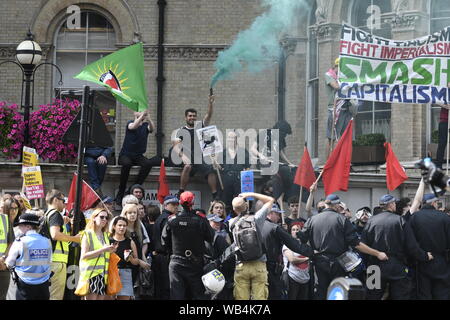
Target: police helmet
214,281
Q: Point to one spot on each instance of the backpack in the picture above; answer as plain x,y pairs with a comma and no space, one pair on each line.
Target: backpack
44,228
247,239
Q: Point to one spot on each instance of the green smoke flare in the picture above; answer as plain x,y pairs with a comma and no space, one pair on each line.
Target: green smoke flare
257,47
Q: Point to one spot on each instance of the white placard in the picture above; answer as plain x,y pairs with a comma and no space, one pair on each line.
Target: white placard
210,143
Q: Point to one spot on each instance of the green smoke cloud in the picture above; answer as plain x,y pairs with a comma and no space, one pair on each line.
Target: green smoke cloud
257,47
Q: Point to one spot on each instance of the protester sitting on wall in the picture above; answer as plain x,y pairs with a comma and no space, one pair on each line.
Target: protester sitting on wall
184,146
96,159
133,150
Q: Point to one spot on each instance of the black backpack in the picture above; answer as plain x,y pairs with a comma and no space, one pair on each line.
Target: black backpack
44,227
247,239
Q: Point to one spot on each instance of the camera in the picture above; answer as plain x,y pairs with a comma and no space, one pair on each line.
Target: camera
433,176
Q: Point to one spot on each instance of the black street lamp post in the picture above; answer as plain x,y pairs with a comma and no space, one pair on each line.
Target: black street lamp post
28,55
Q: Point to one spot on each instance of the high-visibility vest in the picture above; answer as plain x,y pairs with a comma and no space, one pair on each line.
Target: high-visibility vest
61,252
34,264
90,268
4,230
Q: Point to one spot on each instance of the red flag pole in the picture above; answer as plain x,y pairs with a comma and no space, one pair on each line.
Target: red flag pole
300,201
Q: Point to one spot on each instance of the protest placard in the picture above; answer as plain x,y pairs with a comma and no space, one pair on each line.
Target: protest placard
210,143
34,186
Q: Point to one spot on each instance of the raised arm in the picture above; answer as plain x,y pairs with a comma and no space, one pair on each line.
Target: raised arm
208,115
309,203
418,197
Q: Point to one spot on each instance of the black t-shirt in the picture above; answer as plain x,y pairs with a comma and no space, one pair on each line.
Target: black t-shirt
123,245
135,141
182,133
55,219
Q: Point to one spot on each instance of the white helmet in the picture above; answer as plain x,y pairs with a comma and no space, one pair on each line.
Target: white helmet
214,281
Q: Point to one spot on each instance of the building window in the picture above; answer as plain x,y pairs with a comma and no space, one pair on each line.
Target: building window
76,48
313,88
373,117
440,18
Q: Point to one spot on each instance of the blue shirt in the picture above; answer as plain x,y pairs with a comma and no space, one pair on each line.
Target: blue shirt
135,141
31,255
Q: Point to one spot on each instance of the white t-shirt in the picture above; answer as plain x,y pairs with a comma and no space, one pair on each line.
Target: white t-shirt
299,272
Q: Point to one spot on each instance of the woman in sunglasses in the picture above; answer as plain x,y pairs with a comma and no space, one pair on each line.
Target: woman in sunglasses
11,208
95,252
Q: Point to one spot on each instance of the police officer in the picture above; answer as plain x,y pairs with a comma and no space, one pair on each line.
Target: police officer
274,237
184,235
432,231
30,259
331,234
388,232
160,256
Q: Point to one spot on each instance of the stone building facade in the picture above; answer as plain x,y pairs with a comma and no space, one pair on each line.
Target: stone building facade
195,31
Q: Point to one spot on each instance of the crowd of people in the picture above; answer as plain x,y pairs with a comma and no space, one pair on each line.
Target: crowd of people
244,246
256,250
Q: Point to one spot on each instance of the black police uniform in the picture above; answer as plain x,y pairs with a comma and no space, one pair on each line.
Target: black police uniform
432,231
389,233
274,237
214,251
185,235
330,234
161,259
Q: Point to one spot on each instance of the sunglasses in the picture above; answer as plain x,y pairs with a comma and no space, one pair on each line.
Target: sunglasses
103,217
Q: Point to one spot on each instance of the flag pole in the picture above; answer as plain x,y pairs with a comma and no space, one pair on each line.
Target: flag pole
300,201
300,196
216,166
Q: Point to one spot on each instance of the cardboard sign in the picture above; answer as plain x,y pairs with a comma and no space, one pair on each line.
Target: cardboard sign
30,157
210,143
34,186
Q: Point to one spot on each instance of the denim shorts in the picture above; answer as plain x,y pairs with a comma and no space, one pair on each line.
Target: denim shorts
127,283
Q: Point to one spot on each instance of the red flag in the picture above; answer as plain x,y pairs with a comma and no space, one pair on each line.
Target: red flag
336,172
395,173
163,189
88,195
305,175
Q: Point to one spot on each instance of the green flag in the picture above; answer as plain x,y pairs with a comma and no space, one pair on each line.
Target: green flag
122,72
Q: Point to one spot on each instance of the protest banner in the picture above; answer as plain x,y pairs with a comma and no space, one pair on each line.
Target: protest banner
210,143
34,186
415,71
